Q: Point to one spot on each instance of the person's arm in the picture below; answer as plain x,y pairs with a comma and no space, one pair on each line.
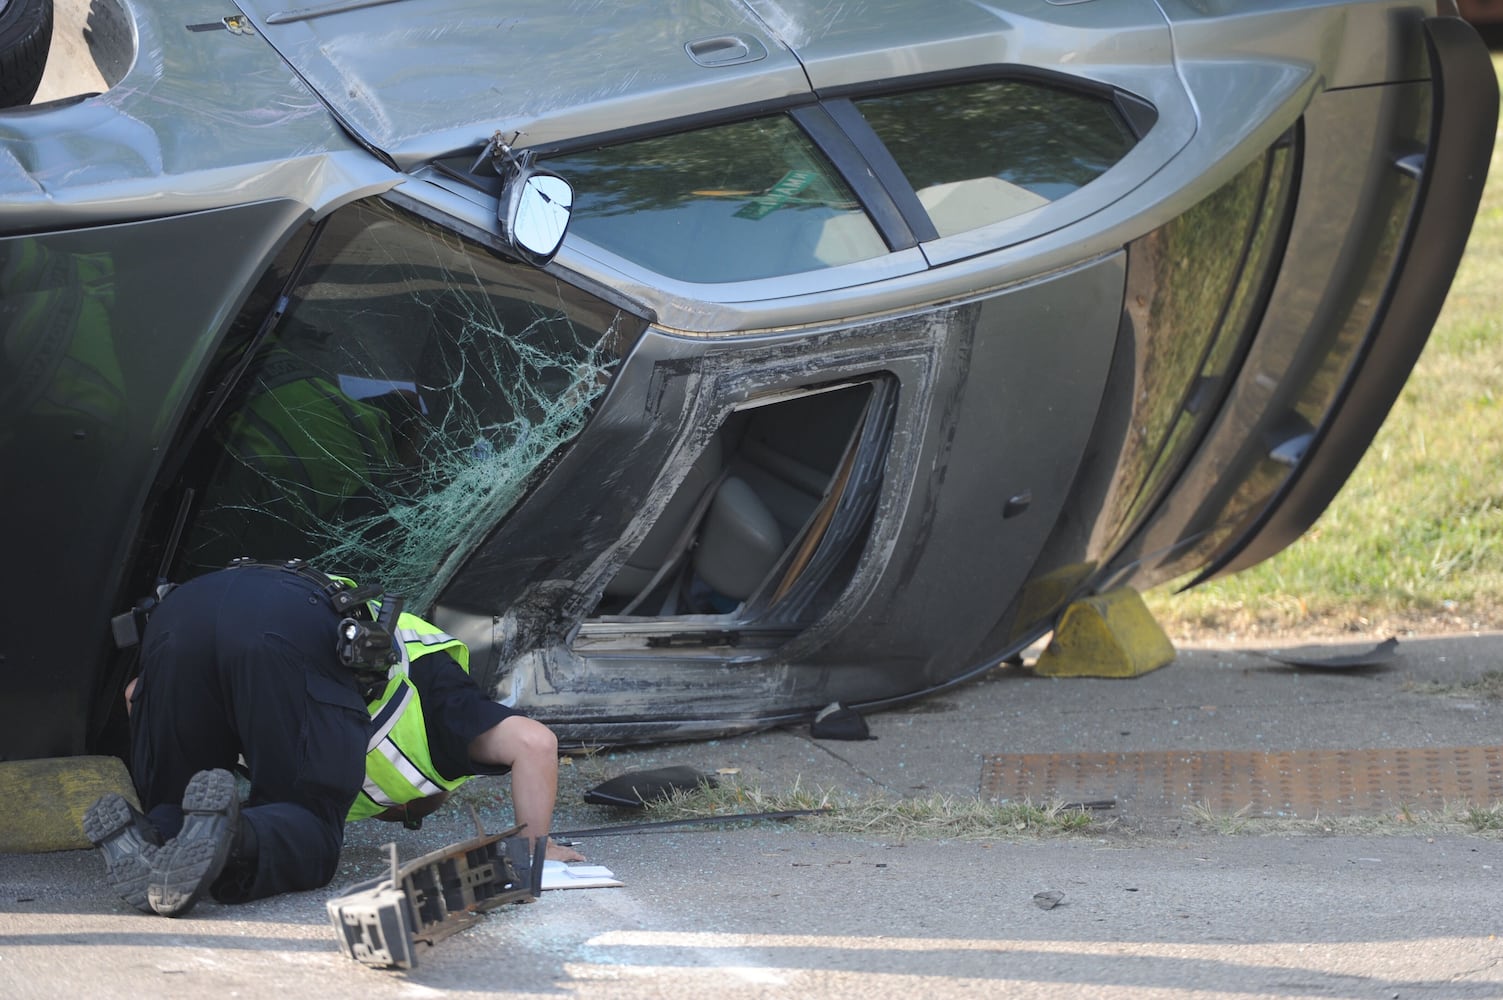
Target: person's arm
530,749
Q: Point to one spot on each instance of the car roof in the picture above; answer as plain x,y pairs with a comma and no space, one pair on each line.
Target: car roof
421,79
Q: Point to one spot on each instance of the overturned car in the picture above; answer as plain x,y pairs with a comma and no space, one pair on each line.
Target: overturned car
881,331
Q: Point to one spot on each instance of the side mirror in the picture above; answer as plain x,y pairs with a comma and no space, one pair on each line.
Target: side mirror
535,204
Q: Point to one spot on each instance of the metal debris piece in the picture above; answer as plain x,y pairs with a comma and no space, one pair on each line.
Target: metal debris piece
1092,805
378,922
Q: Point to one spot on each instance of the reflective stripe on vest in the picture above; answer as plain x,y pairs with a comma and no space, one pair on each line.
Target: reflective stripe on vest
398,765
385,719
407,769
426,638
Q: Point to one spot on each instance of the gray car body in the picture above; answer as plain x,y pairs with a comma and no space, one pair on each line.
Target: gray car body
1006,353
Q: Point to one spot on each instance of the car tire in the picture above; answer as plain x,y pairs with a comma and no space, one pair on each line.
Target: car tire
25,36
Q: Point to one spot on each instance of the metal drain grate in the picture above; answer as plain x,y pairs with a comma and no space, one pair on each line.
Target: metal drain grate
1293,783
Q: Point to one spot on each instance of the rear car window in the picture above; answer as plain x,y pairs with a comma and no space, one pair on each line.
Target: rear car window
979,153
754,199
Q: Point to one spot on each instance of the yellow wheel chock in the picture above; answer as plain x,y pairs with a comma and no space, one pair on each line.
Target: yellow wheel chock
1109,635
46,800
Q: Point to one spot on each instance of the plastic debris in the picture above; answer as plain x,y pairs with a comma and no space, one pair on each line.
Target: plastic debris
1322,657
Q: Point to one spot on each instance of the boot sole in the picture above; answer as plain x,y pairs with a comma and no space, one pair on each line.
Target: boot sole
110,825
184,870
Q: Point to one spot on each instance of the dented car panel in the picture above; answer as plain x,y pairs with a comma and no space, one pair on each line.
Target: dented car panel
880,333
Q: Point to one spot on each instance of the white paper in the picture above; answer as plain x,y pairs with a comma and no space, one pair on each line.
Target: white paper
558,875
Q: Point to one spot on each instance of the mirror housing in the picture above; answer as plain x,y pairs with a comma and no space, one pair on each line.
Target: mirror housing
535,205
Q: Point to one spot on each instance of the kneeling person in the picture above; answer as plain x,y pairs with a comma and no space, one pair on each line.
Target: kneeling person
242,662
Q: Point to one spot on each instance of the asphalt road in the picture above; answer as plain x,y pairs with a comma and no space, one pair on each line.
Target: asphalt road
1153,906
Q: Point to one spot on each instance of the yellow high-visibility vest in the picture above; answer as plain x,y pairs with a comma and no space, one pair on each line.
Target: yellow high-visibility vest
398,765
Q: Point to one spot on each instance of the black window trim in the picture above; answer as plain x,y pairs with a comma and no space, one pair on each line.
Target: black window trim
852,157
988,73
673,126
884,168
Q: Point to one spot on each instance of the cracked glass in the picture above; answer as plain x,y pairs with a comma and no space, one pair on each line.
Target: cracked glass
413,390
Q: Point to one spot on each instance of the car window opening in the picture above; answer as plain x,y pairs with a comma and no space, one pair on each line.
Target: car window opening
410,396
765,528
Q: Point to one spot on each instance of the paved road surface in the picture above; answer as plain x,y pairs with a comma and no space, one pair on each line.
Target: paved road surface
1153,906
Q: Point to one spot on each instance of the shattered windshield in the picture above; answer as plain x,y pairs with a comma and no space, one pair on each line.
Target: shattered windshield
401,407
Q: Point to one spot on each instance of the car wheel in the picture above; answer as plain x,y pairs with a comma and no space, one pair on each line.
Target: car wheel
25,36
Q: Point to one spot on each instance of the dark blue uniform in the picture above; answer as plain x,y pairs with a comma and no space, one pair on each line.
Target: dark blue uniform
243,662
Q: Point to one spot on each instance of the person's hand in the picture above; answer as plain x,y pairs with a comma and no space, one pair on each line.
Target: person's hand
558,852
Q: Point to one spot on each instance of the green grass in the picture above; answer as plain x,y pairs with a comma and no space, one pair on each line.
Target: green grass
935,817
1227,824
1489,686
946,817
1462,818
1484,819
1414,542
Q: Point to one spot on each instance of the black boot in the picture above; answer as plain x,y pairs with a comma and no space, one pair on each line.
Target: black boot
187,866
128,843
